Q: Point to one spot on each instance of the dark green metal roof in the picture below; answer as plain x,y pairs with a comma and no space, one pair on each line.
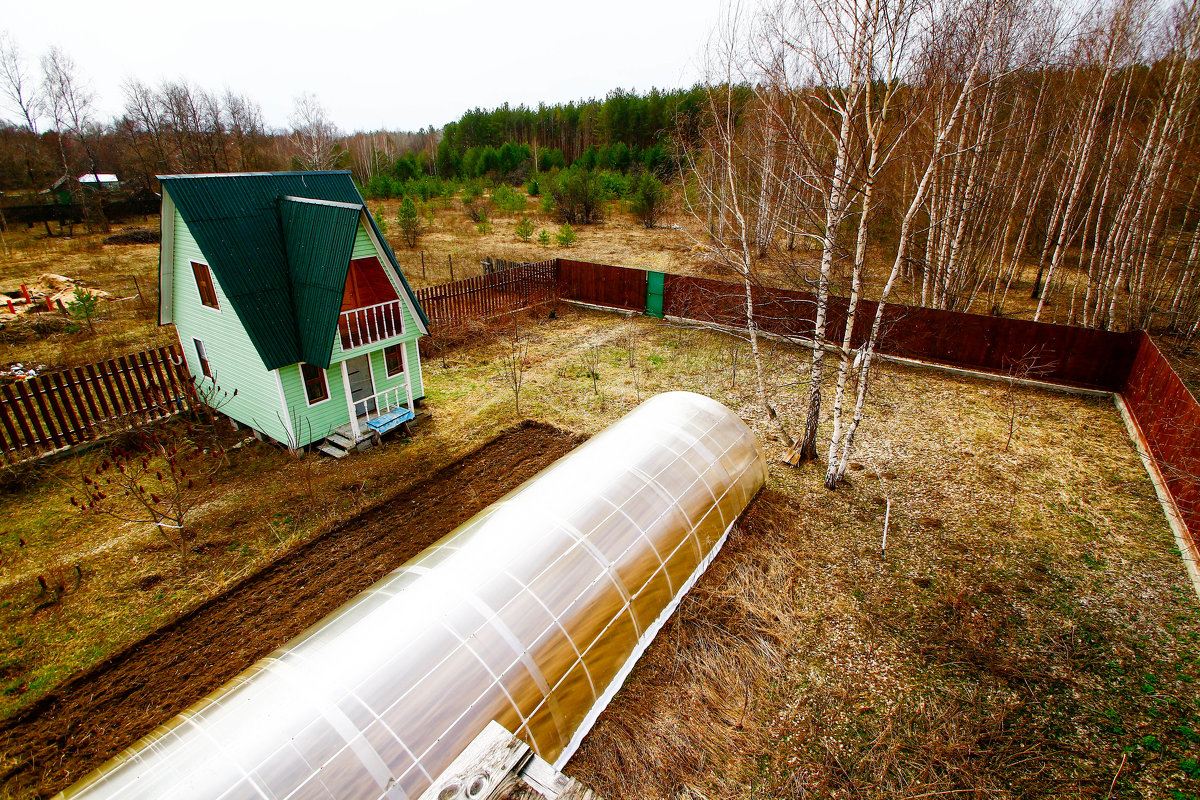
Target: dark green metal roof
319,238
239,224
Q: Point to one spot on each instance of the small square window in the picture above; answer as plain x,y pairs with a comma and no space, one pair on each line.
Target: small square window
205,285
203,358
316,388
393,359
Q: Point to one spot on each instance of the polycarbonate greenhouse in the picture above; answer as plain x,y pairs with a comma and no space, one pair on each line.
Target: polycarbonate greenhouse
531,614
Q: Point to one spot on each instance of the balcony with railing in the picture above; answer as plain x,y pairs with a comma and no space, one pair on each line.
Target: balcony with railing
370,324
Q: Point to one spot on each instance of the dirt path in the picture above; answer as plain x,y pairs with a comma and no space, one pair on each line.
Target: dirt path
94,716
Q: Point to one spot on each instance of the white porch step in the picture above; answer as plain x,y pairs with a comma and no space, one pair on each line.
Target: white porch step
340,440
330,450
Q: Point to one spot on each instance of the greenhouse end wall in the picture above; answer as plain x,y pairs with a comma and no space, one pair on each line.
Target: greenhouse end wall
530,614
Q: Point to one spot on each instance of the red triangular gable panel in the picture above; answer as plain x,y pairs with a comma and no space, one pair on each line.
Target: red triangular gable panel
367,284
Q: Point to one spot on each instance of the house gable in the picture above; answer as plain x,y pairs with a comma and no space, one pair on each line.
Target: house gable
319,238
237,221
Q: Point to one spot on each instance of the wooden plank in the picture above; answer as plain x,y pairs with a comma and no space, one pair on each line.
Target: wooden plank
81,409
37,411
117,387
9,410
153,391
85,389
48,391
164,388
11,402
9,441
58,396
137,383
171,383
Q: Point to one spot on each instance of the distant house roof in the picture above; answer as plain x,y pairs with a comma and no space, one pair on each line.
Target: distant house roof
279,244
90,178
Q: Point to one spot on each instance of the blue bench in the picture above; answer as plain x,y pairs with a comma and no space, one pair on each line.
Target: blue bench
392,419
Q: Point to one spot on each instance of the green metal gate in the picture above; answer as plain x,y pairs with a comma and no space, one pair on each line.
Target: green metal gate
654,294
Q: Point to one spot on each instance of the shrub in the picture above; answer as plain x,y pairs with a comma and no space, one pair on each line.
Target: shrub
524,229
477,210
151,476
484,227
410,222
649,197
565,236
381,220
533,187
544,238
579,196
508,200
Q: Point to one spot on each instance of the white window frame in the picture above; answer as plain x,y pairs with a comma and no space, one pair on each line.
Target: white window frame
213,279
403,360
304,384
202,359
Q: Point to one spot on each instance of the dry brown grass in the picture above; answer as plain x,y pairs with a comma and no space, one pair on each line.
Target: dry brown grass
126,322
1030,631
617,240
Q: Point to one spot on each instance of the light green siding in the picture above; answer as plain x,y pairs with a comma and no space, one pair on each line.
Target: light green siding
232,357
312,423
363,246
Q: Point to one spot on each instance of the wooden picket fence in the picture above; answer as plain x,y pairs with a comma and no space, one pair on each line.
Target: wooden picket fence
60,409
488,295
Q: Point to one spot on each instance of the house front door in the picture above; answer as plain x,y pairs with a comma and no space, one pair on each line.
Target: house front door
362,387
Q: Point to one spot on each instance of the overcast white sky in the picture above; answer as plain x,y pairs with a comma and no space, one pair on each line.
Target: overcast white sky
398,65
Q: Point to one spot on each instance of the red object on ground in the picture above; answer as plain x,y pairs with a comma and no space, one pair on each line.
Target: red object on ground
25,291
49,304
11,308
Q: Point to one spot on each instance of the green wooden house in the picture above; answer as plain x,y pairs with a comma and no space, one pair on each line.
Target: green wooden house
281,287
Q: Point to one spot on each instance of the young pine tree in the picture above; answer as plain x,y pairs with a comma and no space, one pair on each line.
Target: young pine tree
524,229
410,222
649,197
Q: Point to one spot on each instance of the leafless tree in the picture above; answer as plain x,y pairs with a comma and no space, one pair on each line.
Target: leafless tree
589,359
726,175
314,135
25,97
70,100
823,51
514,359
954,63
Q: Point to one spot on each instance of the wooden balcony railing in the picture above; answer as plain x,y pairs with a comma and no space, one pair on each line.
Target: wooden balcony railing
370,324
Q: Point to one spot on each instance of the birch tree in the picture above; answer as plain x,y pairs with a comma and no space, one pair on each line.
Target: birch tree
970,32
821,50
314,136
726,174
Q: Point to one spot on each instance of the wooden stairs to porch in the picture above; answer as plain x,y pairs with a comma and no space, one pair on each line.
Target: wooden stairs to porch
342,442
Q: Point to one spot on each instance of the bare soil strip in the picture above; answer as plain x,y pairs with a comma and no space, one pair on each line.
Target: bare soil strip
95,715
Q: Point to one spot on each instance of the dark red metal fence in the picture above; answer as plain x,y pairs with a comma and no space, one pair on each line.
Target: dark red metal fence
1130,363
1169,418
602,285
1080,357
75,405
487,295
